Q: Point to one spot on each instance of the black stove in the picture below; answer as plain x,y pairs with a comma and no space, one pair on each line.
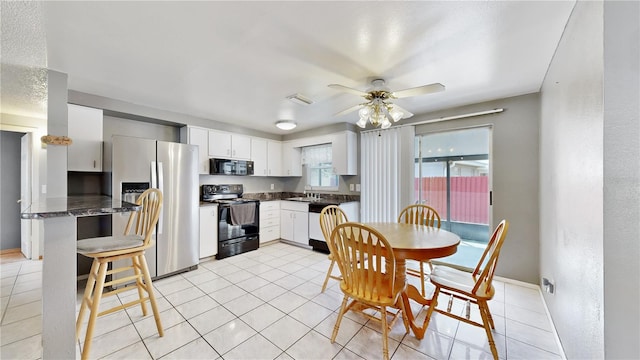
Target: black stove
238,218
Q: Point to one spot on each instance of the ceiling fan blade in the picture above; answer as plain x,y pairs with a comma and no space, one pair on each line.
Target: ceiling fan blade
346,111
348,89
420,90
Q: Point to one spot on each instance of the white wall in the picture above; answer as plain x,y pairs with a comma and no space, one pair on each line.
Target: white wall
571,184
621,180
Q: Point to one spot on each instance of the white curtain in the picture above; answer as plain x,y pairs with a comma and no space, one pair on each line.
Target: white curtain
317,154
387,172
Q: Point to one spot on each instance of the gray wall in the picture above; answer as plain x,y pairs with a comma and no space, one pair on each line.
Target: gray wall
514,175
590,192
56,125
621,180
10,185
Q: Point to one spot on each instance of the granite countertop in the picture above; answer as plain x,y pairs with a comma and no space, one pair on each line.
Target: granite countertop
328,199
77,206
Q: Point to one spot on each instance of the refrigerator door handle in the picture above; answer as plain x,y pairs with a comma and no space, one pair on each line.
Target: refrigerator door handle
161,188
153,175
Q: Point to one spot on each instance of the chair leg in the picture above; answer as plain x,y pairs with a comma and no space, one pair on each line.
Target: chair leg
422,277
139,285
88,292
405,317
385,333
152,297
326,279
95,306
493,326
432,307
487,328
343,309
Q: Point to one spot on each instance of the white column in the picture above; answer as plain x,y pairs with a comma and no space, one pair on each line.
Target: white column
59,288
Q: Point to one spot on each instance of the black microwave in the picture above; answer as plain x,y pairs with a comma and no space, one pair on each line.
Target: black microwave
230,167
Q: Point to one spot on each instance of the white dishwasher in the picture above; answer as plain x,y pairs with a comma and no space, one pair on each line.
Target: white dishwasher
316,239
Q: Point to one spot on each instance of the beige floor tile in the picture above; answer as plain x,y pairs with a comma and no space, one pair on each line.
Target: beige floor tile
174,338
197,349
276,290
256,347
211,319
313,346
229,335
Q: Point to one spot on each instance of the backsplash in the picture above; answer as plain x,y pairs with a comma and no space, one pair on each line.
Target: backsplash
287,194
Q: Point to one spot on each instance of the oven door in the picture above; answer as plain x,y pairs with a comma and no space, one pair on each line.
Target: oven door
227,229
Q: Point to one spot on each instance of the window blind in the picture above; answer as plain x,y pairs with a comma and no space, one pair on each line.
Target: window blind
387,172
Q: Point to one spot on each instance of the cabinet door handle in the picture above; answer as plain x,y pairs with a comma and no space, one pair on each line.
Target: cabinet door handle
94,164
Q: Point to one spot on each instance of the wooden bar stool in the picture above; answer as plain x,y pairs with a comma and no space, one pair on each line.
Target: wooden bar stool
131,245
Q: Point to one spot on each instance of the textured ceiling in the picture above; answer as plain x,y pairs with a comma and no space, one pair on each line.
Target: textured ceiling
237,61
23,76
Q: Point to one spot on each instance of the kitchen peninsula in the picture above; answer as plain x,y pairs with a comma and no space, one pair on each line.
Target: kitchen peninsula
59,264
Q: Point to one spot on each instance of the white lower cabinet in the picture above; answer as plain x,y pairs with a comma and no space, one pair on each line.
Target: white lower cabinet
208,230
294,222
269,221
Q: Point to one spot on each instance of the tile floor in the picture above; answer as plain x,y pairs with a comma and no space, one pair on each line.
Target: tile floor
266,304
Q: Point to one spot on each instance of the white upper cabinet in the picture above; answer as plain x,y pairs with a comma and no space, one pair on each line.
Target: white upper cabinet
344,147
200,137
229,146
274,161
85,130
291,160
259,156
267,157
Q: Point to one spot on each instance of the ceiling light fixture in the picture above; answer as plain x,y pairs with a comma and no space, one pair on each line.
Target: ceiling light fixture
286,124
300,99
379,111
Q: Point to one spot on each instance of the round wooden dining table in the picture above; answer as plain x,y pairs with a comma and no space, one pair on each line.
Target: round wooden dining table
415,242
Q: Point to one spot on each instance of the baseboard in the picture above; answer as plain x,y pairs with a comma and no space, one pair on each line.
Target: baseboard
9,251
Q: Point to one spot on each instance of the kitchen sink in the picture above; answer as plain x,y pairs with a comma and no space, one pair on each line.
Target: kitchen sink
303,198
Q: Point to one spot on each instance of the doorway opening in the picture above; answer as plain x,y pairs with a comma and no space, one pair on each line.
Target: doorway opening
453,175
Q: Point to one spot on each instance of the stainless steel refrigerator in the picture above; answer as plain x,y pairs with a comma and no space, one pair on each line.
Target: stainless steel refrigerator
138,164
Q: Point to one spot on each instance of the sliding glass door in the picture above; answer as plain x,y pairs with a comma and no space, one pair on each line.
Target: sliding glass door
453,176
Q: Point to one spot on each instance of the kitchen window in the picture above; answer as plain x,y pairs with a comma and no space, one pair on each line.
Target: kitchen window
320,173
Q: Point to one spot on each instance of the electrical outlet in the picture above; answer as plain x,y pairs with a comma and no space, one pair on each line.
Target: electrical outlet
44,189
273,186
351,187
357,187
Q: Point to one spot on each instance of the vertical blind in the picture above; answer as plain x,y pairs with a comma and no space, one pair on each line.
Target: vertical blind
387,172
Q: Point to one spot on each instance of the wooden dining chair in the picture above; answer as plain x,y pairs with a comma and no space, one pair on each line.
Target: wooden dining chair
421,215
471,287
368,268
137,237
331,216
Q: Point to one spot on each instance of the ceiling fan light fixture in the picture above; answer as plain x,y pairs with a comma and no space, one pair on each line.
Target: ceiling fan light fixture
286,124
300,99
379,110
396,114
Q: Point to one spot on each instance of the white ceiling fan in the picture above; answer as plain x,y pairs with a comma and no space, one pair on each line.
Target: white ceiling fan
379,110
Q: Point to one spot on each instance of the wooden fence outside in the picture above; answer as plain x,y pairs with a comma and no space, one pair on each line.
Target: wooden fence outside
469,197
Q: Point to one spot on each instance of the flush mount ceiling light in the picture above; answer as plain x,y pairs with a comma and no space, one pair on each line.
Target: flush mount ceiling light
286,124
300,99
379,110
